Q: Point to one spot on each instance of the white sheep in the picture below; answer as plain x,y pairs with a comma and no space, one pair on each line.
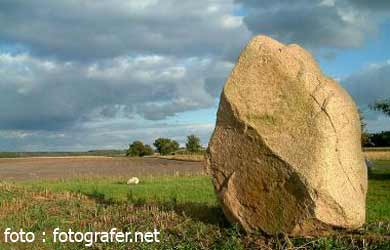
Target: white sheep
133,180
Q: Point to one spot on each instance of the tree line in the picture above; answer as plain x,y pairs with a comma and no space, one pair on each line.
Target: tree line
381,139
163,146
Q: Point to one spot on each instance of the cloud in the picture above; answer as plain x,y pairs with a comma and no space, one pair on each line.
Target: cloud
111,134
367,86
65,65
37,94
89,30
376,5
370,84
315,24
78,75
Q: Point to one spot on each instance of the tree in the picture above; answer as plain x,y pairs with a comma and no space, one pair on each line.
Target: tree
166,146
382,106
137,148
381,139
193,144
148,150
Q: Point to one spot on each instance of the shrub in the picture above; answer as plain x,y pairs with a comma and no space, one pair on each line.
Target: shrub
166,146
137,148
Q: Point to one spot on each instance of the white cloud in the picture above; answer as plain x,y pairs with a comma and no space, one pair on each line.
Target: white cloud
55,94
329,3
231,22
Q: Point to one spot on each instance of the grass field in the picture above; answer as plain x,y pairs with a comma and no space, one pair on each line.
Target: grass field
184,209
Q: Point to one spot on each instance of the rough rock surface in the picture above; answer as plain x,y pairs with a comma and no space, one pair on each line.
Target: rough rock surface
285,155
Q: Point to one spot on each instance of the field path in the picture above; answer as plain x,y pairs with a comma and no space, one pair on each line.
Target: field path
35,168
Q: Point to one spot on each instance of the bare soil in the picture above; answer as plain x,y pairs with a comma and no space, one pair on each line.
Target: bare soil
38,168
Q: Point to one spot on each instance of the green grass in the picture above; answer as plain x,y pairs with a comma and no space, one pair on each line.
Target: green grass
190,189
378,198
184,209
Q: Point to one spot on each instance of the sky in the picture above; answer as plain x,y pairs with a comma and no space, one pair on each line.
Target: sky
80,75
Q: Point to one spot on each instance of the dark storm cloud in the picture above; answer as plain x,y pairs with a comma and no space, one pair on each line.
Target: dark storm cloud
88,30
377,5
314,24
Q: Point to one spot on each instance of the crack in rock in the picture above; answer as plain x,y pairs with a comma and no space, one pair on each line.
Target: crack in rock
323,107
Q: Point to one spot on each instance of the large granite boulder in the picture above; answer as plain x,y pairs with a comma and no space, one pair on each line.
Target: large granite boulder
285,155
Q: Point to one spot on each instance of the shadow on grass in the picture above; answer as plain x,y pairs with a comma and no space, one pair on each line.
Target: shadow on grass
99,198
200,212
379,176
196,211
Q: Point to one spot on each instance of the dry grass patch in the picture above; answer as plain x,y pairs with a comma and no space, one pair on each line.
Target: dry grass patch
194,158
377,154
